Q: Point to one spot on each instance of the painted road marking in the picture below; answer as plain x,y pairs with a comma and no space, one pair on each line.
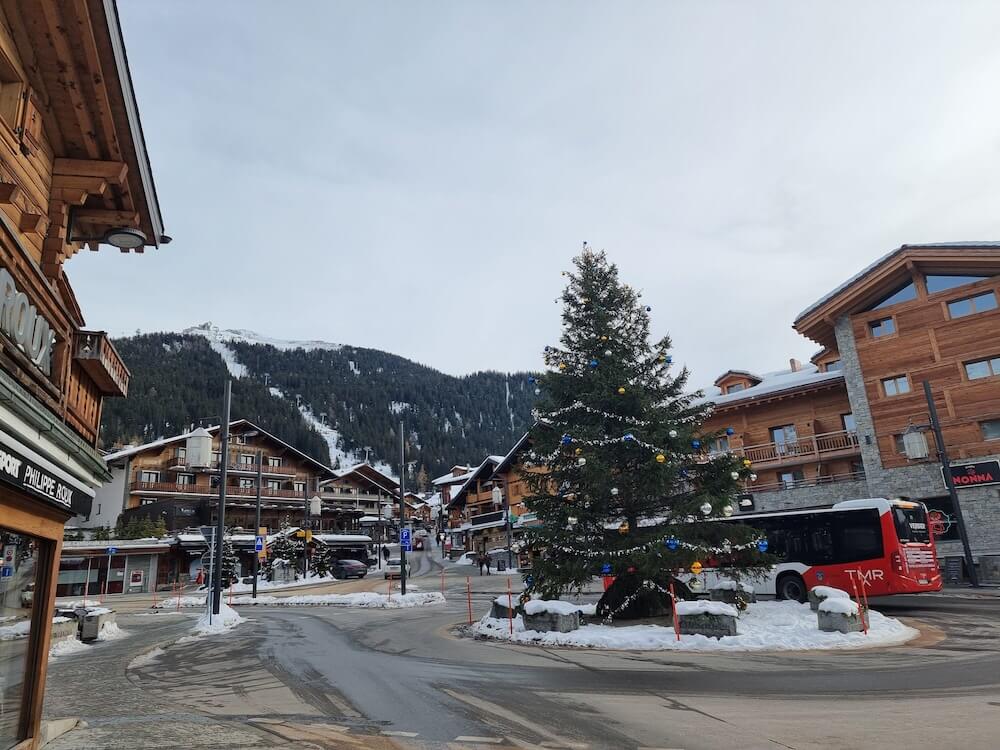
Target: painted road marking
391,733
480,740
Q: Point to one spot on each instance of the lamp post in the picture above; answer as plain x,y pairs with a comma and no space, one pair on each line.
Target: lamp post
256,555
950,483
220,525
402,509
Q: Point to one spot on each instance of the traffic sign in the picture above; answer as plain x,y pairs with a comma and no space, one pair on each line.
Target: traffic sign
258,545
112,550
404,539
7,571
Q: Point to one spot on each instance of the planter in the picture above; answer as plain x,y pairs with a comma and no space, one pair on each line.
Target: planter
819,594
712,619
836,614
557,622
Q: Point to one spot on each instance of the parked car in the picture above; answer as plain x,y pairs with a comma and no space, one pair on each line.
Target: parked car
393,568
349,569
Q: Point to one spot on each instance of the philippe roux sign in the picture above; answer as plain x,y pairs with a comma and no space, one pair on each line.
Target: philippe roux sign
21,323
24,474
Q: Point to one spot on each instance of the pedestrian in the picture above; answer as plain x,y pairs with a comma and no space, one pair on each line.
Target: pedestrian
486,559
482,561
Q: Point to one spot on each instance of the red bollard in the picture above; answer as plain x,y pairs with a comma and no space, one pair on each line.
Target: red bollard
468,593
861,609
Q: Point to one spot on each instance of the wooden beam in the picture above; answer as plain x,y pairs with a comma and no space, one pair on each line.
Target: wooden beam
93,185
73,196
32,223
112,171
108,216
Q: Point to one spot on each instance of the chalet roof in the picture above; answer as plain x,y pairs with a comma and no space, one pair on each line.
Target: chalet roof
885,271
481,472
447,479
745,373
773,383
368,474
157,444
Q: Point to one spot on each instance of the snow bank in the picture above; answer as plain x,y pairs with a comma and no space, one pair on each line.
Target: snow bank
706,608
765,626
226,620
839,606
830,592
363,599
185,601
74,603
502,600
733,586
111,632
67,646
17,630
262,585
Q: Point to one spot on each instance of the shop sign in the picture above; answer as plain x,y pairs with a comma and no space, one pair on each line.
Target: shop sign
28,476
21,323
979,474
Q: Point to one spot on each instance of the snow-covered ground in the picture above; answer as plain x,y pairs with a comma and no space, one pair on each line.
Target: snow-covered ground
226,620
362,599
765,626
146,658
264,585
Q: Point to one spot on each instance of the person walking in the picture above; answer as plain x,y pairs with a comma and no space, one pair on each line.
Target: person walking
482,561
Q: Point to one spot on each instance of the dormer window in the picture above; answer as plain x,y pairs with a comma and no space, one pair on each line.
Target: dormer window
736,387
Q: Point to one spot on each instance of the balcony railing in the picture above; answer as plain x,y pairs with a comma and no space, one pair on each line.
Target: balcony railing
853,476
201,489
808,447
101,361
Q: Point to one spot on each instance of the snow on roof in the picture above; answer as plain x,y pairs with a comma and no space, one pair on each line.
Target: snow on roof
772,382
148,542
434,499
343,538
449,479
751,375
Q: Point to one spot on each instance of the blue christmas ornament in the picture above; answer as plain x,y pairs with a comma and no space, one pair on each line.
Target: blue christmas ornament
762,545
566,440
649,309
548,348
528,580
696,444
593,363
730,431
606,568
671,543
684,472
669,359
628,436
532,379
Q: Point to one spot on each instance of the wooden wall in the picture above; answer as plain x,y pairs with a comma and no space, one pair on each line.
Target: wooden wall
928,345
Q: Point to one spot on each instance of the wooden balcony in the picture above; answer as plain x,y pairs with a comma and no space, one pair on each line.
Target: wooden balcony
809,448
203,489
853,476
101,361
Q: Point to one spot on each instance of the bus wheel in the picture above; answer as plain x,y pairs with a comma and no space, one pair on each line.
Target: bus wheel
791,586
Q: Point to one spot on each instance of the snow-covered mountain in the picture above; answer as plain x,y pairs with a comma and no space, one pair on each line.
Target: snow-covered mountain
349,400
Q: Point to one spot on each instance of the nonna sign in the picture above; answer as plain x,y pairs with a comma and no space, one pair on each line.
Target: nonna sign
978,474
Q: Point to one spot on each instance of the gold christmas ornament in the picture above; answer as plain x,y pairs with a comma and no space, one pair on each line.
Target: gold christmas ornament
747,462
562,365
621,390
660,458
696,567
579,451
623,529
604,338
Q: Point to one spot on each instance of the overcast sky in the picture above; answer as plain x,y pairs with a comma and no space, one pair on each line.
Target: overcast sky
414,176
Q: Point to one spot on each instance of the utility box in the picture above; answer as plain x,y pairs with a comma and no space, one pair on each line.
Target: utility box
92,622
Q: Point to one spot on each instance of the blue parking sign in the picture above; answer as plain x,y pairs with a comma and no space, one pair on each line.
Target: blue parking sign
404,539
7,572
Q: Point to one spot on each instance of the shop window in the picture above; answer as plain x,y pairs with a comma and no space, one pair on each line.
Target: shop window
982,368
896,386
17,595
991,429
941,518
959,308
903,294
881,327
941,282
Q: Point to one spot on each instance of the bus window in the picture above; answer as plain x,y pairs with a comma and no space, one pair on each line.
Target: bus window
911,524
858,536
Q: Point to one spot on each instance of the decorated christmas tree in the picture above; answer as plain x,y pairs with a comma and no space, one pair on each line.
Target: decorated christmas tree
321,562
620,475
229,561
285,547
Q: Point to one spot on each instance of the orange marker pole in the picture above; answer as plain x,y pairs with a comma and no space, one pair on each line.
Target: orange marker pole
861,609
468,594
510,607
673,608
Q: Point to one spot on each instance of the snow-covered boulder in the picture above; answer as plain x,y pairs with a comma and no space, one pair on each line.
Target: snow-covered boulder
712,619
818,594
551,616
731,592
503,608
837,614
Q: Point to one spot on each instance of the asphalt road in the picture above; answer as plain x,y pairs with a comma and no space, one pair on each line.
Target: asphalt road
317,677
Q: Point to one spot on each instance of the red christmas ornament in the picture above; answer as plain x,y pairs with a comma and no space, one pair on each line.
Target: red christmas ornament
631,569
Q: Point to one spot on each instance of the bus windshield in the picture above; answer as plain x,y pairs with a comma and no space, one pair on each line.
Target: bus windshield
911,524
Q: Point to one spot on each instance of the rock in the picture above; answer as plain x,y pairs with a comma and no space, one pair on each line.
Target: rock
545,622
713,626
732,596
838,622
818,594
502,612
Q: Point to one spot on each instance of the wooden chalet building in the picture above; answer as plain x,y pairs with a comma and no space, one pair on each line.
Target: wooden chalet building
74,173
361,498
478,518
176,479
833,430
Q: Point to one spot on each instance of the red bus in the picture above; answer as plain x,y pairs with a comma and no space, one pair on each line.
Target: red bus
882,545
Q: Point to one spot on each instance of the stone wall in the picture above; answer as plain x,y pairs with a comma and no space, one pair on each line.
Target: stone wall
805,497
